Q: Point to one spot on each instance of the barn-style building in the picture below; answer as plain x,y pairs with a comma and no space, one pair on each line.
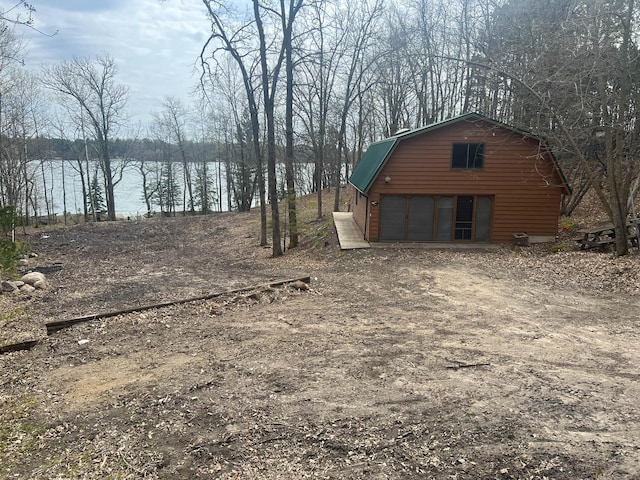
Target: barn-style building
467,179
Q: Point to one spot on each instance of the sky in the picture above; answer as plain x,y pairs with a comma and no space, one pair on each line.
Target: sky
155,43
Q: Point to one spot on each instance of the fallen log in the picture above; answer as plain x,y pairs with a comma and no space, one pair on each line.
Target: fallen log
16,347
53,327
467,365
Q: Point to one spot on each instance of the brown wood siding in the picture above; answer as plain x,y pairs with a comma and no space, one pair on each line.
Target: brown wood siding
523,180
359,207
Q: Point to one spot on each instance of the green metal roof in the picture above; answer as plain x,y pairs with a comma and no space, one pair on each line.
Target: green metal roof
370,164
377,154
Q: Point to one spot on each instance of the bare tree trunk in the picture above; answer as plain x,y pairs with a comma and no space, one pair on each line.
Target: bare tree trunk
269,84
289,153
271,158
111,199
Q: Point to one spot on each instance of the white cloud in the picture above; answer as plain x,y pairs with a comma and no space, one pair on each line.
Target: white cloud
155,44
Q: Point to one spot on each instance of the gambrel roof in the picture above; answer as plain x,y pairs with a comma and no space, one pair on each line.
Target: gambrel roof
366,171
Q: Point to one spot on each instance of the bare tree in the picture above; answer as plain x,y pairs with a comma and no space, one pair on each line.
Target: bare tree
268,61
287,19
204,152
270,78
316,84
19,13
166,187
577,83
173,119
21,112
146,156
360,20
237,41
11,161
92,85
231,127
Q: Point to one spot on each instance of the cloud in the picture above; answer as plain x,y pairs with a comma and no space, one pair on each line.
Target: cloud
155,44
79,5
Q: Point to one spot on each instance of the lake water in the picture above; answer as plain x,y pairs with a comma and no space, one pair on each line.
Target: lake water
129,200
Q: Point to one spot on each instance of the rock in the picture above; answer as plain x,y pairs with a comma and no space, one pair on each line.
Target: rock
26,288
8,286
299,285
23,262
32,277
257,296
29,283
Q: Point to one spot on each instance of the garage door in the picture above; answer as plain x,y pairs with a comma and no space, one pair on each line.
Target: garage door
393,210
443,219
420,219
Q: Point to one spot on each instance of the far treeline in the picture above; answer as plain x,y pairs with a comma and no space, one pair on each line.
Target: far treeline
324,79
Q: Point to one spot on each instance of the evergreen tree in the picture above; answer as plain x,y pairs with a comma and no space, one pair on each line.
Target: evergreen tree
96,198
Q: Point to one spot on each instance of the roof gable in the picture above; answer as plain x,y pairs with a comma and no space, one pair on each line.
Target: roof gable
366,171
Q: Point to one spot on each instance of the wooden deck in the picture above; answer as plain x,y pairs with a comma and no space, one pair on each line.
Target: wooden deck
349,235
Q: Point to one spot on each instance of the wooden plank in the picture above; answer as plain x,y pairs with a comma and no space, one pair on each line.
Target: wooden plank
593,231
53,327
598,243
16,347
349,235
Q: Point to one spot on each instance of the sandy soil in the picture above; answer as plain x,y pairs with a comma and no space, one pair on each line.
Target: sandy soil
396,363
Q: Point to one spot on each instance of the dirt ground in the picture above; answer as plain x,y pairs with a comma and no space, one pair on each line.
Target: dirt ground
396,363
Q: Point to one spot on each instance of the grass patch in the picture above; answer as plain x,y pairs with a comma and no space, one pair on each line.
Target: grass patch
11,315
560,247
18,433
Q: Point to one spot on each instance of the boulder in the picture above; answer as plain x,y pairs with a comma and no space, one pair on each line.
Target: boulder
26,288
32,278
8,286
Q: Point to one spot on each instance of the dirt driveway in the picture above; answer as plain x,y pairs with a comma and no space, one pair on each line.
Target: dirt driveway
397,363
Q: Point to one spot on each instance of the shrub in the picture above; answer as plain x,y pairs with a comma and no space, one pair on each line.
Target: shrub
567,226
10,253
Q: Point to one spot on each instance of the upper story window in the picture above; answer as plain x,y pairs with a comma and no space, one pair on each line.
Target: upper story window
467,155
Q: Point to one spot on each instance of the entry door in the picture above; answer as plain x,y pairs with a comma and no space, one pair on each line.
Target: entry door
464,218
473,218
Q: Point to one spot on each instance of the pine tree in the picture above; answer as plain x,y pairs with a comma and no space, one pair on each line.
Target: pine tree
96,199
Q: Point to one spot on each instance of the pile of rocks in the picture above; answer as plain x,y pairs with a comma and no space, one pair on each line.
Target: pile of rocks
28,284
